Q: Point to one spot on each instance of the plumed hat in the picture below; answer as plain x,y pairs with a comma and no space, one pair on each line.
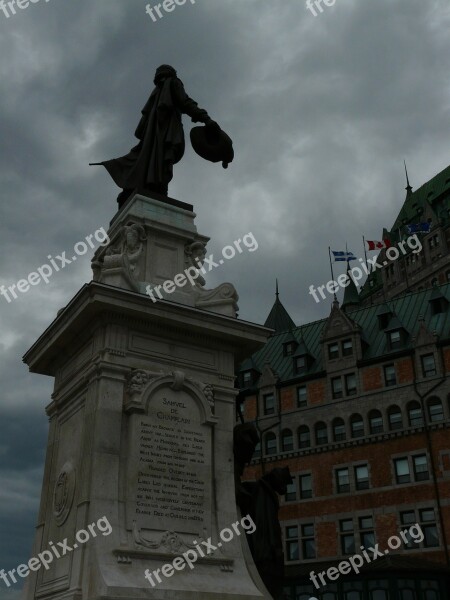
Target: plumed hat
213,144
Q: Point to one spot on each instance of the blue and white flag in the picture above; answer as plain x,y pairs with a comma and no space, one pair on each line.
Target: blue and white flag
418,228
341,256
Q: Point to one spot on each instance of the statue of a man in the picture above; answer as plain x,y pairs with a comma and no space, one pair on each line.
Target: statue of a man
148,167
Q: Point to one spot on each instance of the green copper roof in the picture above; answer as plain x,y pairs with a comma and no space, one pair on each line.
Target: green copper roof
431,193
351,296
279,318
406,309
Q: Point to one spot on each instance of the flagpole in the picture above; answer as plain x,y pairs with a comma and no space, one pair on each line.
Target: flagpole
331,267
367,280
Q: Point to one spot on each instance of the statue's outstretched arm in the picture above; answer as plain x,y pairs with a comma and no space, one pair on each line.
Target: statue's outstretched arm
188,106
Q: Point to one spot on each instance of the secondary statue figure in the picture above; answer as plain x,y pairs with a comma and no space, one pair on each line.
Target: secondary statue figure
148,167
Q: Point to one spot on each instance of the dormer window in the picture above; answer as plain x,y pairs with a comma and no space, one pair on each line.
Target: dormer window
247,378
438,302
333,351
289,348
383,319
347,348
300,364
395,339
269,404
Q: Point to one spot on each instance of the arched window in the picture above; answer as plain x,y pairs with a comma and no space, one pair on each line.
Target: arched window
270,445
321,433
435,410
339,430
375,421
395,418
304,437
357,426
287,440
415,417
257,452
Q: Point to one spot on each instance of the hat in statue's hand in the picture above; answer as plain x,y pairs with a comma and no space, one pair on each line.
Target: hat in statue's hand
213,144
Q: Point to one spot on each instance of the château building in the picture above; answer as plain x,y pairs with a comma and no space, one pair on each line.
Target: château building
357,405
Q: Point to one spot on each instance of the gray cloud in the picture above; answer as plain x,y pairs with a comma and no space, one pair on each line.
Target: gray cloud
322,111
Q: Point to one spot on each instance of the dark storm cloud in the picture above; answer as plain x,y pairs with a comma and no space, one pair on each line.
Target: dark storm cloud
322,111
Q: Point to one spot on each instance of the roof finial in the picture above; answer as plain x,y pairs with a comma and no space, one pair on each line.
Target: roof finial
276,290
408,186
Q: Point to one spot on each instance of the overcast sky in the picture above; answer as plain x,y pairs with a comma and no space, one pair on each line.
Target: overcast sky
322,111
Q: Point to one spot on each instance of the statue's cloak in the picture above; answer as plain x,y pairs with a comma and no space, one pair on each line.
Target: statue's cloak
161,136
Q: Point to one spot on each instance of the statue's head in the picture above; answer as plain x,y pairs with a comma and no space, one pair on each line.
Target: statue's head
163,72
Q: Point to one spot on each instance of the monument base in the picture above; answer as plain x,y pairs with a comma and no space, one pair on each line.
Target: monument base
141,428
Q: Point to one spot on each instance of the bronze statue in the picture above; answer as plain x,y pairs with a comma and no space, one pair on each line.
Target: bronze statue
266,542
148,167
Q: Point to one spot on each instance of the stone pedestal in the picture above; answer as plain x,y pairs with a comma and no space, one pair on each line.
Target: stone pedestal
141,423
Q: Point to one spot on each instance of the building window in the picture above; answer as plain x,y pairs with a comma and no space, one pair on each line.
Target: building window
426,519
339,430
428,365
395,418
366,532
375,421
289,348
390,378
347,348
447,275
435,410
408,518
420,466
308,543
291,493
342,481
402,473
305,486
347,532
300,365
270,444
415,416
302,397
269,404
350,384
321,434
304,437
357,426
362,477
257,452
395,339
287,440
427,522
333,351
433,241
336,386
292,549
247,378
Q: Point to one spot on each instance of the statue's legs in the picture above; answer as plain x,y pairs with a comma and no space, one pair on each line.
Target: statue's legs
158,188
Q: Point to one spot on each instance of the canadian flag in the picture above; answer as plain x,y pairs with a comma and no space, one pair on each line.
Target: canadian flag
374,245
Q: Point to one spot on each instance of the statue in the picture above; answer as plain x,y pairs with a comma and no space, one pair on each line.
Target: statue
266,542
148,167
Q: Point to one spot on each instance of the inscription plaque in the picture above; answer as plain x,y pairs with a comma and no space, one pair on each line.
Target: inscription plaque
170,464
